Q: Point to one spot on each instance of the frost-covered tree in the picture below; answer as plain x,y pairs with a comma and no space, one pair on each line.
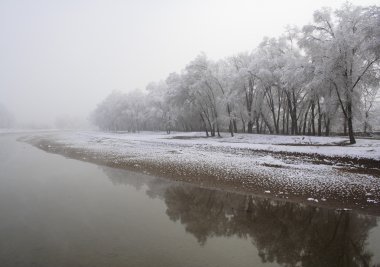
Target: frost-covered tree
345,48
314,81
121,112
246,93
205,91
161,112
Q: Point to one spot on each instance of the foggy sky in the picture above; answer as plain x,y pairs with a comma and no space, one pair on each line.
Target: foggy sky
63,57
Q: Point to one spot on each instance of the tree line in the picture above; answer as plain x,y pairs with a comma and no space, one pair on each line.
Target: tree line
6,118
316,80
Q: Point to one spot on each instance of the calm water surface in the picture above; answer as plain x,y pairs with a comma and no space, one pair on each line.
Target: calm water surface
62,212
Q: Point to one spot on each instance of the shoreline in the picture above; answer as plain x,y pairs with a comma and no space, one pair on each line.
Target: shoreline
364,198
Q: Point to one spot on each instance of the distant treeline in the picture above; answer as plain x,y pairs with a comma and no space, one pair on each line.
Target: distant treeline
6,118
315,80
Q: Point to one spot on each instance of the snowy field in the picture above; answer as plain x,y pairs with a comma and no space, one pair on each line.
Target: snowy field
326,146
261,163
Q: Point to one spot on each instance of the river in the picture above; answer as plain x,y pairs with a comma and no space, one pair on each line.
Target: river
56,211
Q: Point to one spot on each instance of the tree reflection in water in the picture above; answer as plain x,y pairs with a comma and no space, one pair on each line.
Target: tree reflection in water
289,234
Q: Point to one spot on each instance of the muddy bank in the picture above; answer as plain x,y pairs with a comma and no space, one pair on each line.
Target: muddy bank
349,164
345,195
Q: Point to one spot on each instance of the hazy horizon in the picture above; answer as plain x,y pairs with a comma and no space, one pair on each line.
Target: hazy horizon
63,57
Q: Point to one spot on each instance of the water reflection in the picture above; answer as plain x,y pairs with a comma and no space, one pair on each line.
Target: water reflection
285,233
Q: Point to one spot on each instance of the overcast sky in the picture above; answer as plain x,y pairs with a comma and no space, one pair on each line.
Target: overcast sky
63,57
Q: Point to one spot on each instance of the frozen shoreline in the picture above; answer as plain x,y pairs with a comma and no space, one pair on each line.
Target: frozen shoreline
310,169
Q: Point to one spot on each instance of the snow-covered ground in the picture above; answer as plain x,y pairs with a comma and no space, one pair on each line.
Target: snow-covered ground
327,146
255,161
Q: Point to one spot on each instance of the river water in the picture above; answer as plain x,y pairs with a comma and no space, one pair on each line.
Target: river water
57,212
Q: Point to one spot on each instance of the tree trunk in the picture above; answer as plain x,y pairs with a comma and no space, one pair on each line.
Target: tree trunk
258,126
292,111
243,123
249,101
294,114
347,109
319,119
305,120
205,125
267,124
283,120
231,129
345,126
312,117
261,126
287,121
250,126
350,126
327,126
366,122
